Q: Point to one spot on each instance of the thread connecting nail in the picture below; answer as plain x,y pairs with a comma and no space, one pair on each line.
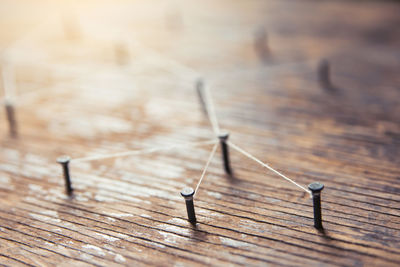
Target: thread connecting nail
225,152
316,189
64,161
187,194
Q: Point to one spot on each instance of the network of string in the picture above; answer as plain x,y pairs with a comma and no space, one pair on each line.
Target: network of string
206,101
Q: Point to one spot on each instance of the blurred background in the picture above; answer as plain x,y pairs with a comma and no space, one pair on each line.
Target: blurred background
311,87
71,64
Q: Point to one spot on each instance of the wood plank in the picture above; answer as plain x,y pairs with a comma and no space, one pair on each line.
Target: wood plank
103,77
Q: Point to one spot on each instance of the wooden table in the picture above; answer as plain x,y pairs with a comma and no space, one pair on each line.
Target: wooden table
103,77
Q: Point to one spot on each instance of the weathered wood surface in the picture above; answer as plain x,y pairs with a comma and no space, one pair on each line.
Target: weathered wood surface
100,77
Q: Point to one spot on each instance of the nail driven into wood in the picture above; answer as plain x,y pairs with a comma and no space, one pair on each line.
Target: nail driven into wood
200,93
121,54
10,111
225,152
64,161
174,20
187,194
324,75
316,189
71,27
261,45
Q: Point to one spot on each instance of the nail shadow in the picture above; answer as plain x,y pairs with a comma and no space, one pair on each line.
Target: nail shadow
325,234
232,178
330,88
197,234
70,196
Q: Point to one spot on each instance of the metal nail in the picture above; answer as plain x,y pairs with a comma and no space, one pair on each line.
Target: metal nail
324,74
200,93
316,189
64,161
225,152
188,193
10,111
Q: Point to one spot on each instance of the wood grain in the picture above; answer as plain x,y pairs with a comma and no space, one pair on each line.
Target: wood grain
101,77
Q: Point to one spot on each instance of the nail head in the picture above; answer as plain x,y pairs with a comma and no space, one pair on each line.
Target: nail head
187,192
223,136
63,159
316,187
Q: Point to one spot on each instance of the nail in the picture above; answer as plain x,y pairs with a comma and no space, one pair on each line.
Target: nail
121,54
316,189
324,74
11,119
261,44
71,27
64,161
225,152
200,93
174,20
188,193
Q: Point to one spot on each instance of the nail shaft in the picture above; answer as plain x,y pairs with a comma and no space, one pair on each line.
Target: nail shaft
121,54
261,44
225,152
71,27
200,93
64,161
11,119
188,193
316,189
324,75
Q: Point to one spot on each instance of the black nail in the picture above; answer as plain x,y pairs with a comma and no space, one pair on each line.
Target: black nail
316,189
188,193
261,44
225,152
64,161
11,119
200,93
324,75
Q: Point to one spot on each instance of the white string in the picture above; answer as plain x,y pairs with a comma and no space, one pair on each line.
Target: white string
8,83
271,69
266,166
172,64
206,167
8,74
211,111
27,37
188,71
10,90
141,152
